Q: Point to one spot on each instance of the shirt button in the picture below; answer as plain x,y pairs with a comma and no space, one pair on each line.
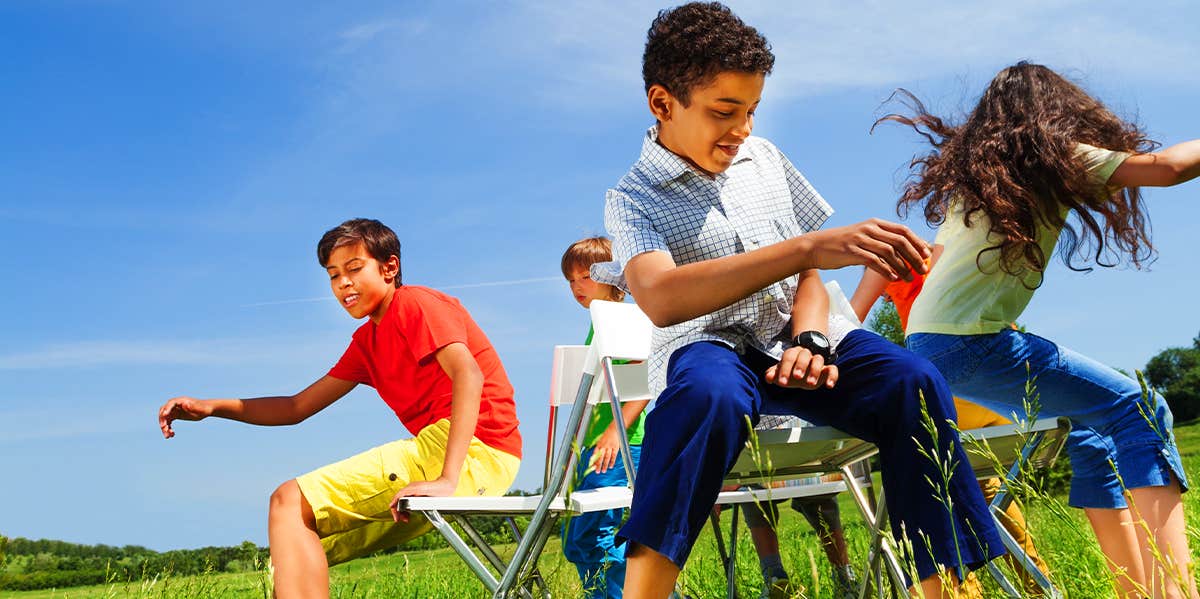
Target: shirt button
392,477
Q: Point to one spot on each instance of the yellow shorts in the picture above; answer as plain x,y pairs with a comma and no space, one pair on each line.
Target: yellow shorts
350,498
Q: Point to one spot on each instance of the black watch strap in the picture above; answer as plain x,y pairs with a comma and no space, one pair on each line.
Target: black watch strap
817,343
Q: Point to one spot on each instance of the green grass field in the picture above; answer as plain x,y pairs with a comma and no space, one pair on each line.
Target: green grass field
1062,535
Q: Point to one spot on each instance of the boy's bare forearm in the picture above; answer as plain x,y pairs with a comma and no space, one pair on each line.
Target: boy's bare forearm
262,411
671,294
810,306
466,393
287,409
681,293
464,416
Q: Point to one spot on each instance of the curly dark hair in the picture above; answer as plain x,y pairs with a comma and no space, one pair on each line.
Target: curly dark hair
689,45
1015,160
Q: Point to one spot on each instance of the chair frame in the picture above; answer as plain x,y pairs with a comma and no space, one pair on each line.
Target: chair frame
622,333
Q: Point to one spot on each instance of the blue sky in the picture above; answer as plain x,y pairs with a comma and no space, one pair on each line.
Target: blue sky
167,169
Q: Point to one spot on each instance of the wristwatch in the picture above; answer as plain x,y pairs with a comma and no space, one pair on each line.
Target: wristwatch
817,343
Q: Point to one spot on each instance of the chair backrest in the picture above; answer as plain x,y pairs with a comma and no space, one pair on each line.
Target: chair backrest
620,346
621,332
569,361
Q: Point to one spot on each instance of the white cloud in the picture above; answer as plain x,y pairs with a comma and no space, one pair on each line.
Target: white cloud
590,49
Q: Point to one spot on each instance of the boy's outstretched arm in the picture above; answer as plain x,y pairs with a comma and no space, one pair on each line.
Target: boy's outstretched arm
1171,166
467,389
671,294
266,411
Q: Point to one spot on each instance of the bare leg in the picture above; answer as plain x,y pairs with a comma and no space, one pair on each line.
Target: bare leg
1165,556
296,553
834,544
1117,535
765,540
648,573
933,587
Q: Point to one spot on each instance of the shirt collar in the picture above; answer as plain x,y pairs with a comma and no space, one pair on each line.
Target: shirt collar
661,165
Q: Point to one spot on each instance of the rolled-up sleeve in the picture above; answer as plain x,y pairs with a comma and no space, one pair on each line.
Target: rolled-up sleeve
632,233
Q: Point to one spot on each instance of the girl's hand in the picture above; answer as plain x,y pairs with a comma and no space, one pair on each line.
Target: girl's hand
800,369
181,408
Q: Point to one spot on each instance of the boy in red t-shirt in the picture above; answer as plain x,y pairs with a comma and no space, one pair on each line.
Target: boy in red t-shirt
433,367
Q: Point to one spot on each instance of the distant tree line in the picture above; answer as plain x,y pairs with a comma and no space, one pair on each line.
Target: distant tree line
40,564
27,564
1175,372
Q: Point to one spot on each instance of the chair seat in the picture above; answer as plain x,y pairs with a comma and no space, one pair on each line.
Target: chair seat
1004,442
788,492
786,453
580,502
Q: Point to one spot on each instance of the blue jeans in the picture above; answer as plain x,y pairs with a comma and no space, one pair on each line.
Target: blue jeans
587,539
699,426
1114,424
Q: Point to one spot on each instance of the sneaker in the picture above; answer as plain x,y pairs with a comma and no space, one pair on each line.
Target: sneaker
779,588
845,585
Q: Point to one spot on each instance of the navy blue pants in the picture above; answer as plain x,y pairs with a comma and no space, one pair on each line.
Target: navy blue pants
699,426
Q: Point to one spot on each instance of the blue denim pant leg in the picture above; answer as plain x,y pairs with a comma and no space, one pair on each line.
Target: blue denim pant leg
588,538
692,436
881,394
1118,426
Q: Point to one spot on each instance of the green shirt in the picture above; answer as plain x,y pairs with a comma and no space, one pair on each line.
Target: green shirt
962,297
602,417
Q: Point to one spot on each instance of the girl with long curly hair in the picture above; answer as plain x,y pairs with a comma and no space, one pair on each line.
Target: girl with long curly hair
1039,162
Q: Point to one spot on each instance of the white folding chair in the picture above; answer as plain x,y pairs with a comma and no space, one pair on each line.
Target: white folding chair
612,368
785,454
788,454
1008,451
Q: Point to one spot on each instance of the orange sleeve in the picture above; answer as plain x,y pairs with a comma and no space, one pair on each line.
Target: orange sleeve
903,294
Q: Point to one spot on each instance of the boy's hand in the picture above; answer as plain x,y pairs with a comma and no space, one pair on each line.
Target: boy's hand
181,408
890,248
607,450
800,369
440,487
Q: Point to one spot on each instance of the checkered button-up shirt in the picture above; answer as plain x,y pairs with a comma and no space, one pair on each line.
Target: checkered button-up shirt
663,204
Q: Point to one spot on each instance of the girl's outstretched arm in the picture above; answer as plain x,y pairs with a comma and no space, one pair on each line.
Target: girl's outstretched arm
1171,166
870,287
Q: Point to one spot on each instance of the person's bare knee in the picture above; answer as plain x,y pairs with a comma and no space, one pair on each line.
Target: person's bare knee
287,502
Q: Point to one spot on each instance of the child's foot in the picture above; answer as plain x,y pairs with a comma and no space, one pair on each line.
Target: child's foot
845,583
779,588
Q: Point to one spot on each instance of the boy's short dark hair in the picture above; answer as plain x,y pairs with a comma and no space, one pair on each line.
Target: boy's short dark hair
691,44
379,240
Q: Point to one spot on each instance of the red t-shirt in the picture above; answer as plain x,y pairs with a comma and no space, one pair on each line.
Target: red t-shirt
396,357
